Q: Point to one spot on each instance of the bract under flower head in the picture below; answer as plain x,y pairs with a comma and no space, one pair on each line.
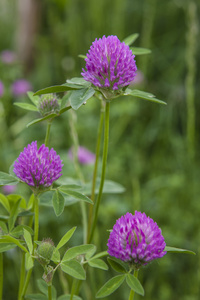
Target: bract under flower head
39,168
136,239
110,64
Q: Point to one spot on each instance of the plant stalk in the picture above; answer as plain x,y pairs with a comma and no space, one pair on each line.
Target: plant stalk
105,154
132,293
98,145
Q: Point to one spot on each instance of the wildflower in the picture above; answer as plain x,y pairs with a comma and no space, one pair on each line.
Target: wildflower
110,64
8,56
21,87
85,157
136,239
45,251
48,105
9,189
1,88
39,168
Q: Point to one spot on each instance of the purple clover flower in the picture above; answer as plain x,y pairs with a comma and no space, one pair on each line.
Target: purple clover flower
85,157
110,64
21,87
136,239
1,88
9,189
39,168
8,56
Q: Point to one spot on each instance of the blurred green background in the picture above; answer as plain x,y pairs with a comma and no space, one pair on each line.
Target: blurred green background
153,149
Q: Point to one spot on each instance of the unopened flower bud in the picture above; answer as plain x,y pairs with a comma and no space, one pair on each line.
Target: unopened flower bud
48,105
45,251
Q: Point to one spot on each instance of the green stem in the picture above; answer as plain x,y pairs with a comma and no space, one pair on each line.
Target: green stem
1,276
132,293
22,276
28,276
49,292
74,136
47,133
73,289
191,48
105,154
36,222
36,230
100,129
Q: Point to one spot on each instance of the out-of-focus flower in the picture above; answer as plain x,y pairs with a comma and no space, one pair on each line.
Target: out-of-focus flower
48,105
139,78
39,168
136,239
8,56
1,88
110,64
9,189
85,157
21,87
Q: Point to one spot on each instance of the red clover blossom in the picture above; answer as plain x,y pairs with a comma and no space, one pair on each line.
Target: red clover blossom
136,239
39,168
110,64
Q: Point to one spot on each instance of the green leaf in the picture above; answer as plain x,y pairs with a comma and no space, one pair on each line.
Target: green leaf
4,201
143,95
101,254
78,81
134,284
58,203
51,116
36,297
140,51
178,250
77,98
116,265
98,263
28,261
77,250
34,99
13,214
69,187
6,246
28,239
3,227
10,239
76,195
130,39
14,198
110,187
19,230
54,89
6,179
68,297
110,286
90,253
66,238
74,269
26,106
82,56
56,256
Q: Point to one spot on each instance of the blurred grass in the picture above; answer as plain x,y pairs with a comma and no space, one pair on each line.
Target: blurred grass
148,151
